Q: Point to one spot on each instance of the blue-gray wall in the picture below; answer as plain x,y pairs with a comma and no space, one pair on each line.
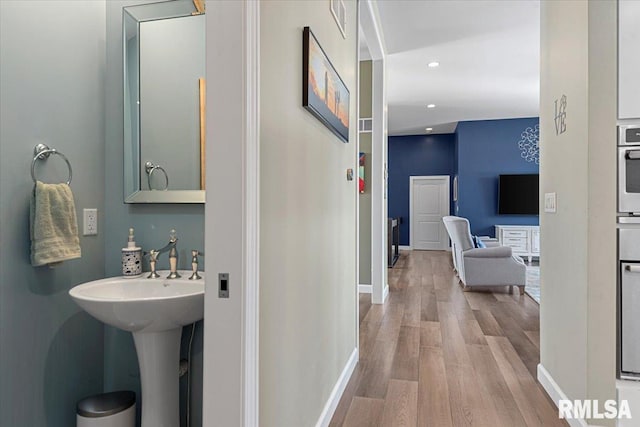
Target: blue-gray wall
487,149
52,58
52,90
152,224
415,155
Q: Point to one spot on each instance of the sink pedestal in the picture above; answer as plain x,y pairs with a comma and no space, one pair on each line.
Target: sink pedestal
154,311
159,358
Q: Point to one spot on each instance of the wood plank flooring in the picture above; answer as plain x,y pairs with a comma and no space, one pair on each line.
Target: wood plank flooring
434,356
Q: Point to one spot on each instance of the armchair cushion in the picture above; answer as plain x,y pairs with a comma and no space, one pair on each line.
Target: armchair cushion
494,252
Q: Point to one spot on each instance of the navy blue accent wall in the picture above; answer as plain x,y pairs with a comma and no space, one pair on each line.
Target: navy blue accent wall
485,150
415,155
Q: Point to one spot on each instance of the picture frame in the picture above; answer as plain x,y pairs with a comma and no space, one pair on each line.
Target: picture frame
339,12
324,94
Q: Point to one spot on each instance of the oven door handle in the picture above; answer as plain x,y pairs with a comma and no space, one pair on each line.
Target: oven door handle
633,155
632,268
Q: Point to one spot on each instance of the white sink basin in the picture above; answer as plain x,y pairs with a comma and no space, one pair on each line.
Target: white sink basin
154,310
141,304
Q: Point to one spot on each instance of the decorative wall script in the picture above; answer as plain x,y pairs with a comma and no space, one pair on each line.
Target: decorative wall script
529,144
561,114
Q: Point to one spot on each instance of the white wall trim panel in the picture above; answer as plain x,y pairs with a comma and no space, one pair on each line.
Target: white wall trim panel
556,394
364,289
231,359
338,389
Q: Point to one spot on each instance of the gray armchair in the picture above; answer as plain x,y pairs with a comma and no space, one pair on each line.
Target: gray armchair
491,266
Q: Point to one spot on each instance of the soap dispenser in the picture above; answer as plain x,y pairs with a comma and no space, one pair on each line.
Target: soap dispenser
131,258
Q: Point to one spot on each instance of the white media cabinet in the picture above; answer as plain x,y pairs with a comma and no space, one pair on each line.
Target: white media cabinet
524,240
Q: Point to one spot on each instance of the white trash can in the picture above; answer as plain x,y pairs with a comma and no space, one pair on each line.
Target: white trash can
115,409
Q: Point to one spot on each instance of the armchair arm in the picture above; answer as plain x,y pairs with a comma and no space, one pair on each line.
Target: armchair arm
494,252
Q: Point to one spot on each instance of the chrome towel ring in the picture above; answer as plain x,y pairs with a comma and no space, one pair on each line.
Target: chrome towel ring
42,152
150,168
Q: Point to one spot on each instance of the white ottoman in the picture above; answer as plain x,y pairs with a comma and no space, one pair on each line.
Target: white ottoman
115,409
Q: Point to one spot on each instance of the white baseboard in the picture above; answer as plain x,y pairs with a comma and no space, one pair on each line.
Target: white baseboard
385,293
405,248
338,389
556,394
365,289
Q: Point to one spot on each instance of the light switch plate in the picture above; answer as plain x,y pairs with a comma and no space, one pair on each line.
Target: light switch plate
550,202
89,222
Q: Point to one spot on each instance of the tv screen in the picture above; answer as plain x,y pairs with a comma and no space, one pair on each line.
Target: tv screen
518,195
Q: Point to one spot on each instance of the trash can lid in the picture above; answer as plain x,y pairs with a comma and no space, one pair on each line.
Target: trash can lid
103,405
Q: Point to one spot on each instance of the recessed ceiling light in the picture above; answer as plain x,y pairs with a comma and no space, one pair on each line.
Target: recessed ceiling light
429,129
431,106
433,64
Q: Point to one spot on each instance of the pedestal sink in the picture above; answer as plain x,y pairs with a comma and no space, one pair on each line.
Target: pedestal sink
154,310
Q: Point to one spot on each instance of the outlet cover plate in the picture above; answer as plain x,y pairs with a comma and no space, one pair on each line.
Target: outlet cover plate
89,222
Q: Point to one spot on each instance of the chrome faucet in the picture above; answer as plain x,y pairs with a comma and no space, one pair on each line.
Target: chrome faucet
173,258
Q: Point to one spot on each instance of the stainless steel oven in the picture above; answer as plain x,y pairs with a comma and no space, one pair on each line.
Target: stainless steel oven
629,135
629,179
629,169
629,303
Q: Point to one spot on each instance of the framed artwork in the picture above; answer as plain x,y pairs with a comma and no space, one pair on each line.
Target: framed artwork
324,93
339,12
361,173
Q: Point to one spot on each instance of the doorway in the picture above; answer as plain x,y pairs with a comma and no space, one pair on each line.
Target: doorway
428,203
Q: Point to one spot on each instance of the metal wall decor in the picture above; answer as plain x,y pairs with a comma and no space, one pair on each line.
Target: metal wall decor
561,114
529,144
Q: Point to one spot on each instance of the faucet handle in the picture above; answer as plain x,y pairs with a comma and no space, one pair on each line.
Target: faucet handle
152,254
194,264
153,257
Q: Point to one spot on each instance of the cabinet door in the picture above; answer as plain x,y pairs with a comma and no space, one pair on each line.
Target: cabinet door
535,241
628,59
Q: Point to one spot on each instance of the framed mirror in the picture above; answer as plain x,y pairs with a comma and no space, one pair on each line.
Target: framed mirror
164,102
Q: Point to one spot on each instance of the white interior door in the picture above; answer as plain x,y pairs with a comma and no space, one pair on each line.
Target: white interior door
429,200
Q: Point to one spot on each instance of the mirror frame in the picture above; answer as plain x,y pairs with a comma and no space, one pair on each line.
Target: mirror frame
132,174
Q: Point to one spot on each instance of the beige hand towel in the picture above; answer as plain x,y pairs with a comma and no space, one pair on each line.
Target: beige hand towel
54,229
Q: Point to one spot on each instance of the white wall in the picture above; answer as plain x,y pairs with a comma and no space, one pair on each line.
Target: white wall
308,220
602,264
577,312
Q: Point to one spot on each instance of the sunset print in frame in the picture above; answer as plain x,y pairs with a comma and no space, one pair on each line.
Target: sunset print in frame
324,93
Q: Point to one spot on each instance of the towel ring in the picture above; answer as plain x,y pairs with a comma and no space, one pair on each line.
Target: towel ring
42,152
151,168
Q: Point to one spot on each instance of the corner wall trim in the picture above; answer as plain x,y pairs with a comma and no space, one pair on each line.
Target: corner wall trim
365,289
338,389
405,248
385,293
556,394
251,309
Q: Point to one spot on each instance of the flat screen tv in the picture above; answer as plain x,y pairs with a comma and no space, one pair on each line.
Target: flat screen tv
518,194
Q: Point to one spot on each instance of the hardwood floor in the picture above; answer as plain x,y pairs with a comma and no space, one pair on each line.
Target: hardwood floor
434,355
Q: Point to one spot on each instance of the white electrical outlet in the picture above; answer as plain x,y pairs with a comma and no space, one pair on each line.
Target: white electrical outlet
550,202
90,222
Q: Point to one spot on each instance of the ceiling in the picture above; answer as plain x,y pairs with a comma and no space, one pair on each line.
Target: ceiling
489,55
